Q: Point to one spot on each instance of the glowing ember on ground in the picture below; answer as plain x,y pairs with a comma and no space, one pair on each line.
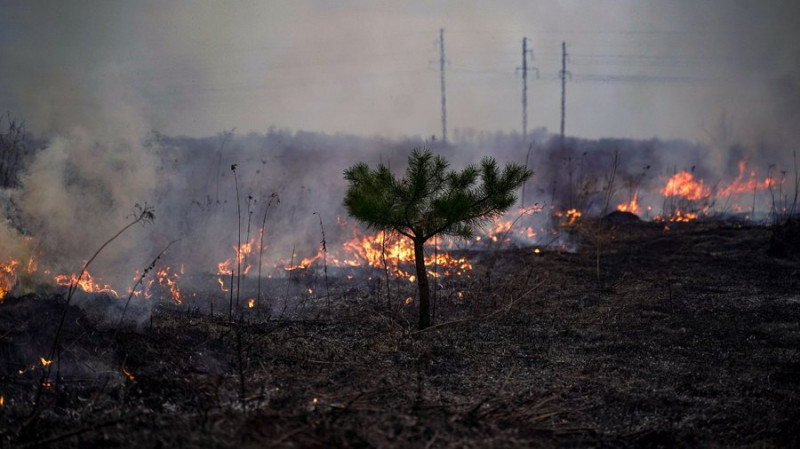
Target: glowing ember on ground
684,217
127,374
251,303
44,361
678,216
408,301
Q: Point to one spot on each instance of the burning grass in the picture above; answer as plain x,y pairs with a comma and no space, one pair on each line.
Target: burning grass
692,342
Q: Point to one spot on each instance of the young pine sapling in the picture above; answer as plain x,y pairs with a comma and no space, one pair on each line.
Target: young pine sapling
431,200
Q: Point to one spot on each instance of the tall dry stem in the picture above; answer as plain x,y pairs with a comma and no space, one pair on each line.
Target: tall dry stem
796,185
272,197
239,237
144,215
324,258
138,283
610,184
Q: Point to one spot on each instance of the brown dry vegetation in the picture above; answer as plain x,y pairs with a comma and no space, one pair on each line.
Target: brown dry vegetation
687,337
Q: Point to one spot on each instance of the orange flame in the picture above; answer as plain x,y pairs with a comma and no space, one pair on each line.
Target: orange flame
397,252
632,206
680,216
145,290
86,283
570,217
251,303
741,185
170,281
500,231
305,263
222,285
8,277
683,184
240,259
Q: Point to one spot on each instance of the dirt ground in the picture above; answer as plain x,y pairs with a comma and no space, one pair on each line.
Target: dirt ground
643,337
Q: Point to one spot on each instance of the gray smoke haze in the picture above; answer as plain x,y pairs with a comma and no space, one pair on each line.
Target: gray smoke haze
639,68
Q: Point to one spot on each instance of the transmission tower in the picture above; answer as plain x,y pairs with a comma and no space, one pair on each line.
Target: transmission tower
563,74
441,71
525,53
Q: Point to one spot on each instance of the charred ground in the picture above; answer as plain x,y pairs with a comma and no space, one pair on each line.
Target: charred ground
642,337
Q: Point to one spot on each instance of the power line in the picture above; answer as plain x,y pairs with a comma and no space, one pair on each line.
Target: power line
441,71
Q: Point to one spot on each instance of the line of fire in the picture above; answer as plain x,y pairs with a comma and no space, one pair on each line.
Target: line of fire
682,197
239,243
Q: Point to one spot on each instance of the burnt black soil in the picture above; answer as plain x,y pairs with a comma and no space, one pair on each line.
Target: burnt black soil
643,337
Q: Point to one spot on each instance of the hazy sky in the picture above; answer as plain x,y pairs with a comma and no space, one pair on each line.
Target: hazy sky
638,68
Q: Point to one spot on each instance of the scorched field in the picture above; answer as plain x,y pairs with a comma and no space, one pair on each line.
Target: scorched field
646,335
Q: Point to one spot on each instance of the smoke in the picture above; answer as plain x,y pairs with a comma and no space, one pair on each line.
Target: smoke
95,78
371,68
68,81
752,50
79,191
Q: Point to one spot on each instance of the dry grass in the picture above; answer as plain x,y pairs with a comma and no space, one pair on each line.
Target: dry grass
692,341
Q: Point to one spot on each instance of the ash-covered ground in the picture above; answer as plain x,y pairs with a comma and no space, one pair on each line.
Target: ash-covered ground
647,335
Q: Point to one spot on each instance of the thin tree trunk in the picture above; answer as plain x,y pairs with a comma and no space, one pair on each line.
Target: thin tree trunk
422,283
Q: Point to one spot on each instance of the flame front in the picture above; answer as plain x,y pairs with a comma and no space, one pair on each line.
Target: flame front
395,253
170,281
8,277
741,185
240,259
683,184
632,206
85,283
